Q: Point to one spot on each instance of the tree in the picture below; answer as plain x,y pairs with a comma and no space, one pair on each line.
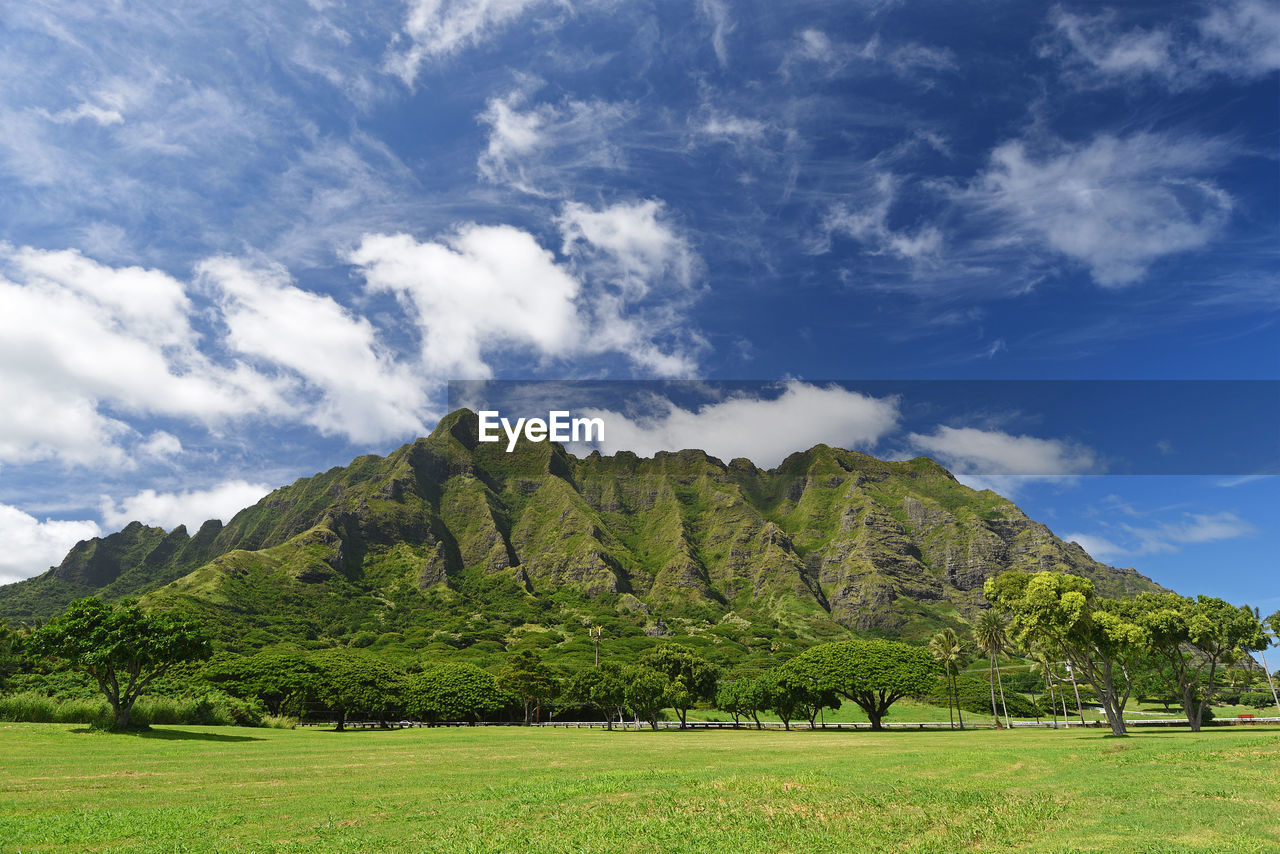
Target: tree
790,695
746,696
525,676
692,678
10,653
281,680
452,692
352,681
121,646
1062,612
1195,638
989,634
646,693
874,674
603,687
1041,664
946,649
1271,633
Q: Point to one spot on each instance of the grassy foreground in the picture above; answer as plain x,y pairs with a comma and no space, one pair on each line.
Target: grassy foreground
496,789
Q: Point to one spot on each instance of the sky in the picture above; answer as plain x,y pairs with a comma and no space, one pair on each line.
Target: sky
243,244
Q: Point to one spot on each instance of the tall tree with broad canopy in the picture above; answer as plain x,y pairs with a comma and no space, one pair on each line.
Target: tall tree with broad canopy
123,647
790,695
693,678
745,696
281,680
525,676
350,682
647,691
874,674
1062,612
451,692
1194,638
603,687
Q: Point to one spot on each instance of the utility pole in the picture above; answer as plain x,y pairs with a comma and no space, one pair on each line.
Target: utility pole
596,632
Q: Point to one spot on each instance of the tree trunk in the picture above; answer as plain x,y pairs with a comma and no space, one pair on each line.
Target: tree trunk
991,683
1267,670
1003,705
955,689
342,720
1053,707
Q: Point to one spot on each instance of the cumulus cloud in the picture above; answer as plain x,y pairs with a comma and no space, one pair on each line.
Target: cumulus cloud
1127,540
161,445
77,337
641,272
438,29
192,508
488,289
1238,39
362,391
971,451
763,430
1115,205
32,546
474,292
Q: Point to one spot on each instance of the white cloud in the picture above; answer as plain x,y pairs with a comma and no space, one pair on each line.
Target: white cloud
1126,540
640,274
910,61
1237,39
764,431
479,290
537,149
1098,547
438,29
488,289
193,508
161,445
82,343
970,451
866,219
363,392
32,546
717,13
85,111
1116,205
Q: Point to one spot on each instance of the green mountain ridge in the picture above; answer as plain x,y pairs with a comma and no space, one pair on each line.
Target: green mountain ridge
448,541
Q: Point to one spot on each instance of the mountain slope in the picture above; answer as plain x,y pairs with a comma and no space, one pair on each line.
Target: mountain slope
449,541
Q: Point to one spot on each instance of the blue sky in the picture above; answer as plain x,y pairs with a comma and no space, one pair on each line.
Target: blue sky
241,246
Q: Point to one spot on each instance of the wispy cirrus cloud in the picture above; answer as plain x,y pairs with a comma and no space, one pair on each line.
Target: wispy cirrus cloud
1114,204
1127,540
1234,39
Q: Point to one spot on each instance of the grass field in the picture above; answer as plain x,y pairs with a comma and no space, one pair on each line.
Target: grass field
182,789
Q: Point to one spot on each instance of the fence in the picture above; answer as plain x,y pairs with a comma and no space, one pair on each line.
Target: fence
802,725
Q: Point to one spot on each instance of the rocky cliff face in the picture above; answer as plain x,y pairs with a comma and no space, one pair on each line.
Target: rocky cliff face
831,539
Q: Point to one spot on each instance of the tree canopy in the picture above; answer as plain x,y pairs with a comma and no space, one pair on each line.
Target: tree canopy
121,646
351,681
692,678
874,674
452,692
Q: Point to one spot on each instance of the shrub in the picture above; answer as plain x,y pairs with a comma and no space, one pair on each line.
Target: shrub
1257,699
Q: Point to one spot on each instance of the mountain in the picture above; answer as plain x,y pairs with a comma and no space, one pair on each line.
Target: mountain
450,543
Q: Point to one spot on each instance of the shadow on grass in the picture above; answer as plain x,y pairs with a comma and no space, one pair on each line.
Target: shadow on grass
170,734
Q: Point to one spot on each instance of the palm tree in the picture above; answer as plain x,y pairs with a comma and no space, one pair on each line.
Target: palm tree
990,635
946,648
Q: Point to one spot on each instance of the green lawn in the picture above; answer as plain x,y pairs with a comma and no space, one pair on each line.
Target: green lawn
508,789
